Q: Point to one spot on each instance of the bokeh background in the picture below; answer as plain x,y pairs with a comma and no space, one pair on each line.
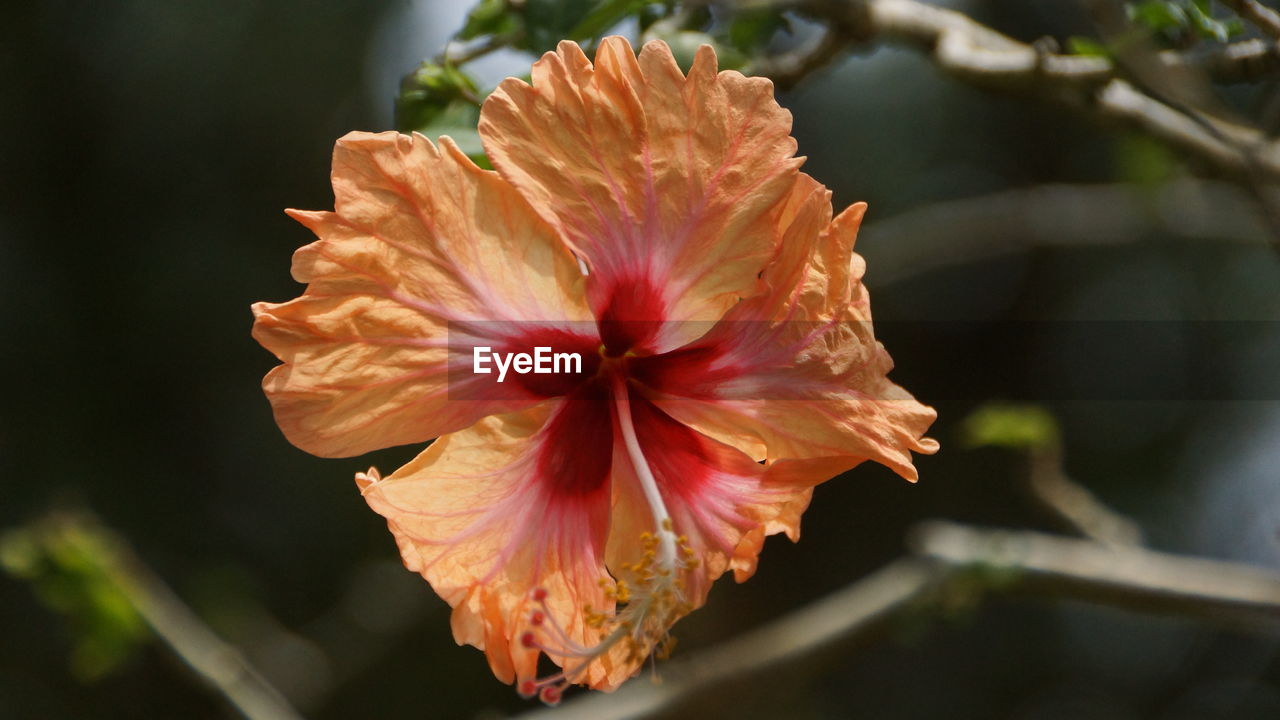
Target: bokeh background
147,150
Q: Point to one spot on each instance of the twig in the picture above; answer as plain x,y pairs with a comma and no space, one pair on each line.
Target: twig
1186,90
1075,505
1259,15
1131,577
787,69
221,666
976,54
465,53
1134,578
824,626
1240,62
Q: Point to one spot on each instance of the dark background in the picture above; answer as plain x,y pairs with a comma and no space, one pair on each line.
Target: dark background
148,150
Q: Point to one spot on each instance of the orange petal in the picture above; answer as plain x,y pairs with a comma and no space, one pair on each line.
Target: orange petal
721,500
660,182
512,504
420,238
796,372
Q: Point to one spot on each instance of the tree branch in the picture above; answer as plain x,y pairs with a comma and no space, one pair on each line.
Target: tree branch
1129,577
1075,505
790,68
793,641
1241,62
220,665
1259,15
983,57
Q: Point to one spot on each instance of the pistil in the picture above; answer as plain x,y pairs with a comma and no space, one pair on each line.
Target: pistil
648,483
648,593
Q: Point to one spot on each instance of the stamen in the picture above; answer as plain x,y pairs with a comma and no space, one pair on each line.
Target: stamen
648,594
650,599
550,695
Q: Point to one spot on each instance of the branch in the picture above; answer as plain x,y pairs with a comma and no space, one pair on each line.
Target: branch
214,661
1240,62
1131,577
1259,15
981,56
1075,505
792,642
787,69
1059,567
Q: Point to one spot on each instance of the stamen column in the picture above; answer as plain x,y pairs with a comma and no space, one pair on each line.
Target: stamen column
664,530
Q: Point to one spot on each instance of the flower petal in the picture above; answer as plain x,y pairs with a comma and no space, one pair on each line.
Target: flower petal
514,503
422,241
658,181
796,372
721,500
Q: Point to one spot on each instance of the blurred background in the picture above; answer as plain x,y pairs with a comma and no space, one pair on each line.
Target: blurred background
1111,286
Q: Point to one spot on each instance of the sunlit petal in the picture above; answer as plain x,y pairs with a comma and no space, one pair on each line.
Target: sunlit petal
421,242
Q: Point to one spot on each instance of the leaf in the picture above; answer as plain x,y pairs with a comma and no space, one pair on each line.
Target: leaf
70,568
1158,15
429,92
1173,17
490,17
547,22
751,30
1085,46
1143,161
1206,24
605,16
1011,426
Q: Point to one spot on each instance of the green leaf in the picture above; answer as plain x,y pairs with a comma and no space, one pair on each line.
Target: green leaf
1141,160
1158,15
430,92
605,15
547,22
1011,426
751,30
1077,45
1171,18
490,17
71,568
20,556
1206,24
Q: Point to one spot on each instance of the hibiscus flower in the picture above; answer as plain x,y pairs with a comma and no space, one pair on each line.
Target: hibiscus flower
653,224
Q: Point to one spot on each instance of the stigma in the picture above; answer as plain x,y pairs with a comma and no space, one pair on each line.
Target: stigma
649,597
